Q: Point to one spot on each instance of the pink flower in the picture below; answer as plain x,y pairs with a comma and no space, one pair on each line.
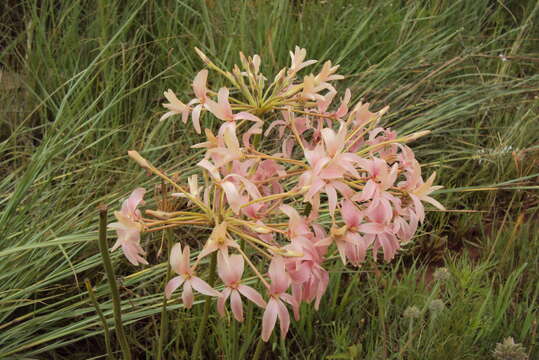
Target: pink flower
175,106
222,109
235,193
420,193
280,282
380,178
329,164
218,240
380,230
322,105
230,270
309,278
298,63
328,73
179,262
350,244
128,228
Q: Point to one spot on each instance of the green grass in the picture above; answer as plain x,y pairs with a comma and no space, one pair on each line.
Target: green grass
82,83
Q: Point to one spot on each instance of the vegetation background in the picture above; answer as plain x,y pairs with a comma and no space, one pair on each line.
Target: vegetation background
81,83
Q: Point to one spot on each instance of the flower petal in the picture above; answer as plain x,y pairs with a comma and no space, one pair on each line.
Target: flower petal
236,305
252,295
284,318
172,285
269,319
187,295
221,301
202,287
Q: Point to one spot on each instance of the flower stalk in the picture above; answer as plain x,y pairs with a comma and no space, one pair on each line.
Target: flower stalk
117,309
91,294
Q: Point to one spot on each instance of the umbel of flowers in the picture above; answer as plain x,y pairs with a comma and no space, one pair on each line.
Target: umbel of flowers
288,152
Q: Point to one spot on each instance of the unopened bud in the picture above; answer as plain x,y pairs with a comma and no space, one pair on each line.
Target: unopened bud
416,135
203,56
139,159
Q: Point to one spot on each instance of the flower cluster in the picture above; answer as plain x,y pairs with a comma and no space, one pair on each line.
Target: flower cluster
287,154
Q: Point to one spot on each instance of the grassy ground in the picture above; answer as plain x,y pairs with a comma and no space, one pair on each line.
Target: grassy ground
82,82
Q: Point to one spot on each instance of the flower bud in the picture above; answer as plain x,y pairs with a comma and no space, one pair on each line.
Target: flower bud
139,159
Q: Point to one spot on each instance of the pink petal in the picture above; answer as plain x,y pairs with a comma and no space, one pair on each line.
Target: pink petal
232,196
117,243
380,211
199,84
202,287
269,319
176,258
280,280
230,269
130,205
221,301
255,129
419,209
187,295
371,228
315,188
167,115
332,198
132,251
172,285
351,214
184,263
252,295
284,318
212,169
246,116
433,202
236,305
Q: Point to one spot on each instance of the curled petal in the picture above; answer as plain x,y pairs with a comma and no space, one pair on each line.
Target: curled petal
196,118
133,252
129,206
